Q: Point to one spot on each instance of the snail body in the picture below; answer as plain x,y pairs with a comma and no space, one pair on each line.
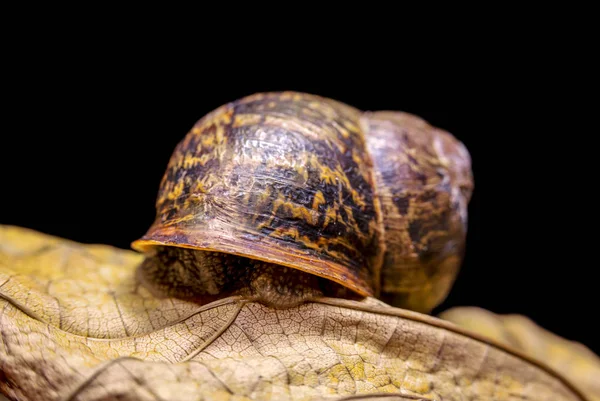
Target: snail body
287,196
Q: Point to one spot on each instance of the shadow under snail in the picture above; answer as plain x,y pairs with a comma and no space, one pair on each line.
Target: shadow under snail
287,196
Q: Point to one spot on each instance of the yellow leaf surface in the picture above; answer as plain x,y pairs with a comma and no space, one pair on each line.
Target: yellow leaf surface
570,358
75,325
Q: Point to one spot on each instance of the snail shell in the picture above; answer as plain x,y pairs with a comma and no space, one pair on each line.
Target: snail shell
373,201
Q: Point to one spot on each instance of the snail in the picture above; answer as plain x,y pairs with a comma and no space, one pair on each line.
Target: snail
287,196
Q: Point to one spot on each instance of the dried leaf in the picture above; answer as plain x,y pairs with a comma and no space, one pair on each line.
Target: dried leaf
572,359
75,325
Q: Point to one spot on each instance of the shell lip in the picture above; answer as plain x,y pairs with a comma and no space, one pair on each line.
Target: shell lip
267,250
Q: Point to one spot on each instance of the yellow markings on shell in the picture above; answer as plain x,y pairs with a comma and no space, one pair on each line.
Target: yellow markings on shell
200,188
326,174
283,231
197,195
328,111
208,139
225,118
176,160
350,125
219,117
220,137
330,215
311,216
318,245
177,191
341,129
298,211
179,220
264,195
190,160
242,120
210,135
356,158
214,138
330,177
263,198
333,114
318,200
321,243
300,167
310,112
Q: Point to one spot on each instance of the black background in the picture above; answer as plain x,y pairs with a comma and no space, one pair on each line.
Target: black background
86,136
